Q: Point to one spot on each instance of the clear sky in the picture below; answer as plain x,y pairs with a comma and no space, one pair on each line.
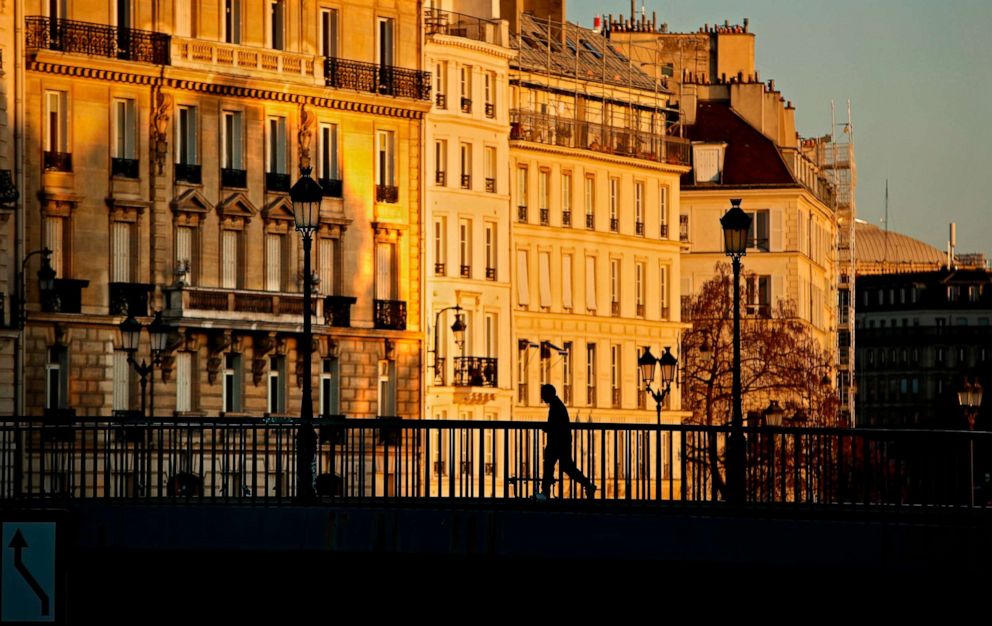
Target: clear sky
919,77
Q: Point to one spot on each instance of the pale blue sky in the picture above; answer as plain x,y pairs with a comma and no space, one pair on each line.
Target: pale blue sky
919,77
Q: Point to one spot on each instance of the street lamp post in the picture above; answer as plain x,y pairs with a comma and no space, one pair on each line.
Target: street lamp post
457,329
306,195
669,365
46,282
130,330
736,225
970,399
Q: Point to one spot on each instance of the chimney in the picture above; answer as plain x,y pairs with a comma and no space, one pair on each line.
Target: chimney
745,24
952,243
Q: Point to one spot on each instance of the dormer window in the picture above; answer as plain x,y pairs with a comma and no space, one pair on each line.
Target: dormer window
707,162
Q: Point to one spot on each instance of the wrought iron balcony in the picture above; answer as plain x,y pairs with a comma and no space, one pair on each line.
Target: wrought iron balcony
189,173
566,218
474,371
332,187
337,310
125,168
490,273
387,193
590,221
490,185
385,80
466,271
129,44
233,178
441,101
277,182
129,298
639,229
439,269
522,213
438,22
640,310
664,231
441,177
66,297
616,398
665,312
614,224
8,191
571,133
615,308
490,110
57,161
466,105
389,314
466,181
545,217
212,302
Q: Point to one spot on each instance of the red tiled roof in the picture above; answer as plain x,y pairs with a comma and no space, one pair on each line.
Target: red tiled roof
751,158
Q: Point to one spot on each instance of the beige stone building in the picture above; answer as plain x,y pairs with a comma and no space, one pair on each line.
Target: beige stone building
595,197
158,146
467,198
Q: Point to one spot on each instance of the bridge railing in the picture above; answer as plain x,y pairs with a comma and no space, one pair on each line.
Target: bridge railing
255,460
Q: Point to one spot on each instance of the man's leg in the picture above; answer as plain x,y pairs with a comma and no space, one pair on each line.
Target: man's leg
548,476
568,467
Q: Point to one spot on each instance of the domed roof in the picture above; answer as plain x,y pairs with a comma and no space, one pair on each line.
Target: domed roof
886,251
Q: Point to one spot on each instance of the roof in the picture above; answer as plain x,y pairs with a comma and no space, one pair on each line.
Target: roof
888,251
750,159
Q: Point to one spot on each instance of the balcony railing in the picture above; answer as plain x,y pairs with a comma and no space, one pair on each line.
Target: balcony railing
385,80
237,303
387,193
331,187
439,269
466,271
466,181
337,310
441,101
245,60
233,178
664,231
490,185
438,22
640,310
639,229
474,371
57,161
66,297
129,298
616,398
390,314
615,309
614,224
466,105
276,182
570,133
129,44
490,273
490,110
441,177
566,218
545,216
590,221
521,213
125,168
189,173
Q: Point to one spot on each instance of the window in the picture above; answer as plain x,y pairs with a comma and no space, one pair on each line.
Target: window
522,373
186,136
232,140
490,165
614,204
440,162
122,381
56,121
56,378
329,32
327,260
465,79
490,87
566,362
384,49
440,245
55,240
465,159
759,297
231,392
275,255
327,153
276,146
757,236
491,251
232,21
125,127
523,288
566,281
545,365
543,192
615,286
707,163
184,381
615,374
122,252
385,271
639,209
639,288
591,283
385,164
231,252
491,345
277,24
187,15
544,278
277,384
663,291
465,247
591,374
387,389
330,387
566,199
441,84
663,210
522,193
185,251
590,202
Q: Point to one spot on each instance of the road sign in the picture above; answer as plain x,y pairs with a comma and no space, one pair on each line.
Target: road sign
27,588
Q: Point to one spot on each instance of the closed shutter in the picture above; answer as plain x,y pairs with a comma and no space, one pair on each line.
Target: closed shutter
523,285
53,241
566,281
544,268
325,265
273,262
591,283
778,291
184,375
663,291
384,271
120,252
776,235
230,260
122,380
184,249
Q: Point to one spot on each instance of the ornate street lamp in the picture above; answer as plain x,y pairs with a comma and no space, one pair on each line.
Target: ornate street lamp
130,337
736,225
306,195
668,365
774,414
970,399
457,331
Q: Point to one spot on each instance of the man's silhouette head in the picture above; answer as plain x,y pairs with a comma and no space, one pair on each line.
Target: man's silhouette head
548,393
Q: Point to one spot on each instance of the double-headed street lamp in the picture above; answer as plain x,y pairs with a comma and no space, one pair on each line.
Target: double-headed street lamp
970,399
457,330
306,195
130,330
669,366
736,226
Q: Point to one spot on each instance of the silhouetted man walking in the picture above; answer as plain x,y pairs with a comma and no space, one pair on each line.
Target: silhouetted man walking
559,446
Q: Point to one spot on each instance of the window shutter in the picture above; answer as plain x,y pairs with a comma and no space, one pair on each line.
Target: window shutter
53,240
122,379
566,281
273,262
230,260
523,286
325,265
184,366
384,272
775,244
778,291
591,283
544,268
120,252
184,249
